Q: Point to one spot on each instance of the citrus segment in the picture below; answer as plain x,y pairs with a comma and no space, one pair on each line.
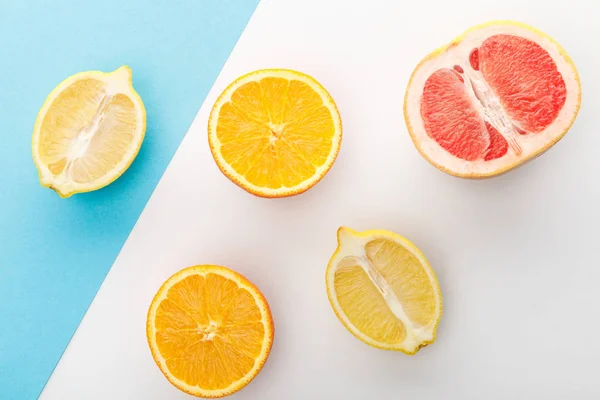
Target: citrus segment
451,118
383,290
88,131
358,296
525,79
115,132
210,330
498,145
496,97
410,282
275,132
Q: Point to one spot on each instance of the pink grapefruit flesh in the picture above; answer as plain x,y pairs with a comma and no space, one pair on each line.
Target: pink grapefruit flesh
525,79
499,95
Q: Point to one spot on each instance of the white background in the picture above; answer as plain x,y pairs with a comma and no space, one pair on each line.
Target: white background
516,256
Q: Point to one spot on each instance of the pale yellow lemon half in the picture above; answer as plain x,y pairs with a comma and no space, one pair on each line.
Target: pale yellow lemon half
383,290
88,131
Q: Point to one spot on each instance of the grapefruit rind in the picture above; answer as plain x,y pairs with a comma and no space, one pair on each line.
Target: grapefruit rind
352,243
240,180
262,304
459,50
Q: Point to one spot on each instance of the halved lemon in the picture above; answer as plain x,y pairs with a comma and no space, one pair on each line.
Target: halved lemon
383,290
275,132
88,131
210,330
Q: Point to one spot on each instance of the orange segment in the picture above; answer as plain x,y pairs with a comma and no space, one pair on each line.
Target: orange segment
312,137
275,133
274,90
210,330
293,167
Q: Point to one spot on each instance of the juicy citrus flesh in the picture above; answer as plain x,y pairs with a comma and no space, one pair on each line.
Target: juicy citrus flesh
517,89
499,95
275,132
88,131
384,291
210,331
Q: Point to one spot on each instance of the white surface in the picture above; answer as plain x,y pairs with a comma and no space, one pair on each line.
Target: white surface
516,256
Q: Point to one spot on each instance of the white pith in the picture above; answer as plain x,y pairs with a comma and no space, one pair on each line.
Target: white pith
488,105
351,252
528,145
116,82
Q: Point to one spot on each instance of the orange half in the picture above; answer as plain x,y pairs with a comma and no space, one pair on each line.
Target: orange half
275,132
210,330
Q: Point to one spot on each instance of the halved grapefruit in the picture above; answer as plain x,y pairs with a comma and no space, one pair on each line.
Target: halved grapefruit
497,96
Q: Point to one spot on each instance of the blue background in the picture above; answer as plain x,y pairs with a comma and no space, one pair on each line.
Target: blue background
55,253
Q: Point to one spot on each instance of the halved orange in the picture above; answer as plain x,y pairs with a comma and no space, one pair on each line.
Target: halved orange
275,132
494,98
210,330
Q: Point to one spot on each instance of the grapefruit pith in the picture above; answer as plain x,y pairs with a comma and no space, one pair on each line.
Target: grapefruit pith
495,97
